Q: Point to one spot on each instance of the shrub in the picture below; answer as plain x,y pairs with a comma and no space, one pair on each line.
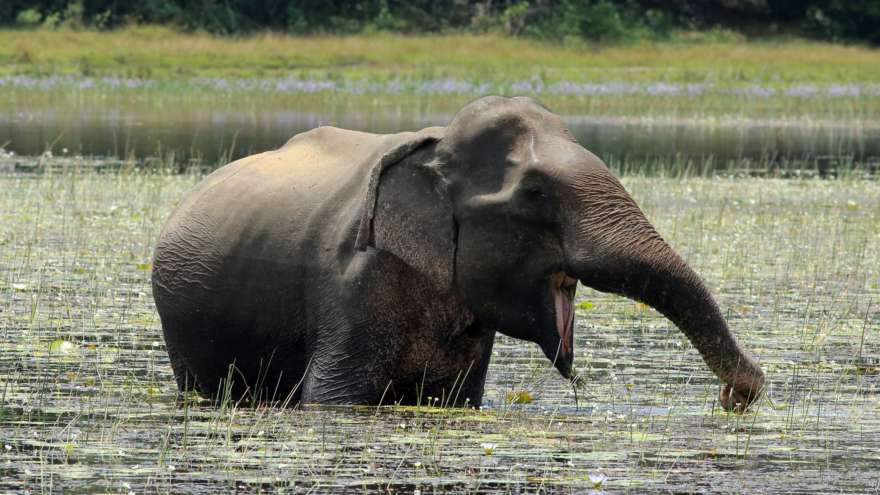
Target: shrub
29,18
594,20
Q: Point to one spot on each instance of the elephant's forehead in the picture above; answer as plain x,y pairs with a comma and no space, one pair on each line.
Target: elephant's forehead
484,111
556,154
501,123
536,155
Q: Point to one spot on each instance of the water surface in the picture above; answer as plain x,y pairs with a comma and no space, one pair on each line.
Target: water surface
88,401
215,135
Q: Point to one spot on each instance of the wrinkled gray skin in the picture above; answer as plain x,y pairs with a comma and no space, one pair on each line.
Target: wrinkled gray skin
354,268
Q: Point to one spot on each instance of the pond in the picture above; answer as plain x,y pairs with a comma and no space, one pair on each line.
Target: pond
758,146
734,127
87,398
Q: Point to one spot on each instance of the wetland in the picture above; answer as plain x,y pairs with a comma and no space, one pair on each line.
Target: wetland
762,176
88,401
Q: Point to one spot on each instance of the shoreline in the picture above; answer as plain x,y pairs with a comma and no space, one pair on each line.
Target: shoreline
160,52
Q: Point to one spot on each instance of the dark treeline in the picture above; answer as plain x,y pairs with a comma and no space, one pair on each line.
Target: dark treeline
595,20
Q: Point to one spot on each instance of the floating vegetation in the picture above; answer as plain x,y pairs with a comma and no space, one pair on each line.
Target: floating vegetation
61,347
519,397
88,400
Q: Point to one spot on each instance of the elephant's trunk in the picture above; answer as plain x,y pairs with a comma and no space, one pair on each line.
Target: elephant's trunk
617,250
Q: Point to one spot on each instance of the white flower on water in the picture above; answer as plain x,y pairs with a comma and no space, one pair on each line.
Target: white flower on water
597,479
488,448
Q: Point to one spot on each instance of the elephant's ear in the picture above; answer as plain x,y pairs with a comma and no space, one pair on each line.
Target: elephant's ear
407,211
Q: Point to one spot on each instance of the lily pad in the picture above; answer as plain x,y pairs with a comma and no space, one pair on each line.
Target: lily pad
519,397
62,347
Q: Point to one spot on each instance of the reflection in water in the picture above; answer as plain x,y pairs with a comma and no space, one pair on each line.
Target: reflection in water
216,135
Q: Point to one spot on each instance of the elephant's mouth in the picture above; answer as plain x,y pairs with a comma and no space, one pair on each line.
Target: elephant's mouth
563,289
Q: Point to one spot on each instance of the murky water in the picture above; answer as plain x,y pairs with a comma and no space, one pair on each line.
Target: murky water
87,399
216,135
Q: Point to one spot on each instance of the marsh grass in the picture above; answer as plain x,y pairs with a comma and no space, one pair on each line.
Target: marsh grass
793,263
161,52
156,67
412,102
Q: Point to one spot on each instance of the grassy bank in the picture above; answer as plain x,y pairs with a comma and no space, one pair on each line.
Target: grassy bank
698,77
155,52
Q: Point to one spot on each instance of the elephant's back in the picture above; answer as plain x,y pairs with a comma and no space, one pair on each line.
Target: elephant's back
308,167
255,225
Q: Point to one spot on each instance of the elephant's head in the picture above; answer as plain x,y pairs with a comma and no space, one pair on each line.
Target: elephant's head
508,210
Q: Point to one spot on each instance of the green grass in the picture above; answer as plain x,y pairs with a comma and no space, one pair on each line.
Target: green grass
163,53
792,262
365,66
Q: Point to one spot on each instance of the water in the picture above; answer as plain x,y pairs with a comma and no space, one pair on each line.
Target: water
792,262
215,135
88,402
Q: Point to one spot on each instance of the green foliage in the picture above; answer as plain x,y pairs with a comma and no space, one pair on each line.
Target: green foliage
843,20
593,20
519,397
602,21
585,305
28,18
597,21
52,21
73,15
514,18
385,20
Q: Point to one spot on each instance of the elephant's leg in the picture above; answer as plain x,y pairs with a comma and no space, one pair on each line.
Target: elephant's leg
465,389
182,375
463,384
341,372
322,387
200,357
185,381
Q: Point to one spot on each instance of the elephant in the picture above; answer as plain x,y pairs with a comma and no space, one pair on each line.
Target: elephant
355,268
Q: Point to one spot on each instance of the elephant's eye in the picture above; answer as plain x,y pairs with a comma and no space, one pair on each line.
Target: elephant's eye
535,194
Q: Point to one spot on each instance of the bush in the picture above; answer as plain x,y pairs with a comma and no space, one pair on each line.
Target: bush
600,21
594,20
839,20
29,18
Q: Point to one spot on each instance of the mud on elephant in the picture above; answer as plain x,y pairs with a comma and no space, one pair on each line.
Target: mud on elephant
348,267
